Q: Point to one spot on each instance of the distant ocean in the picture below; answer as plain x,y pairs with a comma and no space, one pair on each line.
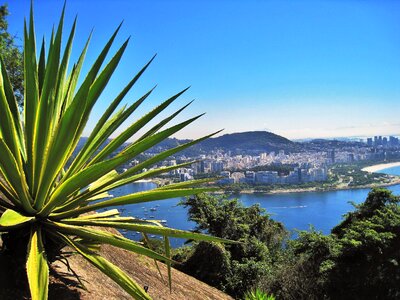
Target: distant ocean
297,211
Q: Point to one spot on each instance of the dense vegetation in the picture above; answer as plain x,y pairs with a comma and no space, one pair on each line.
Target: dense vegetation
11,55
236,267
358,260
354,176
282,169
251,143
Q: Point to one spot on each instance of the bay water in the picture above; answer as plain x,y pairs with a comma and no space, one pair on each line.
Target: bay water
297,211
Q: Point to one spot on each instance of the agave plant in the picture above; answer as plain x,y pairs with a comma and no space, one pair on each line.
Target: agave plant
257,295
51,193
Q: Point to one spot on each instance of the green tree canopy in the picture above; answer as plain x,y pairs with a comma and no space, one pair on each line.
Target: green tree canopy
11,55
238,267
358,260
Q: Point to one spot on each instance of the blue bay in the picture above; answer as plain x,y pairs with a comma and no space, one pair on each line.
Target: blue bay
323,210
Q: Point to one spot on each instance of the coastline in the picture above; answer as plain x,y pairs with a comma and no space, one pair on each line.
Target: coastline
395,181
145,180
371,169
380,167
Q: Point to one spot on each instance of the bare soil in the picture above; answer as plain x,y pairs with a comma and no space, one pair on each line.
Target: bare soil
64,286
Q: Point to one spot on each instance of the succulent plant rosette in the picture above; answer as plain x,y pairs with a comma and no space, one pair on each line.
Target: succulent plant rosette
54,195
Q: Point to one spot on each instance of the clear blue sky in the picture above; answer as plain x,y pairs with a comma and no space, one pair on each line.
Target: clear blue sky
296,68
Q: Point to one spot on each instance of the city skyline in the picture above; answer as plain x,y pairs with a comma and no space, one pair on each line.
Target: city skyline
314,69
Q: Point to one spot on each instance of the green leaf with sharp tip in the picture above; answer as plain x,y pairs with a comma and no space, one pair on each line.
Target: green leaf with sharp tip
162,123
13,174
118,99
94,172
31,93
112,271
159,157
185,184
98,137
131,130
140,197
149,229
167,246
12,218
114,183
37,267
42,66
10,127
106,238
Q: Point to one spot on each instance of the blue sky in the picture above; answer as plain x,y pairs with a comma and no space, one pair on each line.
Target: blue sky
296,68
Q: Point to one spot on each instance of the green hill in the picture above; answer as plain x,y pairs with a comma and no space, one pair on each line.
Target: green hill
250,142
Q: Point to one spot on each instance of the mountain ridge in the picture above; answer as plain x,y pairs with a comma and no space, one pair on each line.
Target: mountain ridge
248,142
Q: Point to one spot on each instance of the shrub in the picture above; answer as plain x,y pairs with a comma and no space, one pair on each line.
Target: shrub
257,295
208,262
360,256
246,263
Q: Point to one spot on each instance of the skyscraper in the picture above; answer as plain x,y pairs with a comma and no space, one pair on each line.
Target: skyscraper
331,156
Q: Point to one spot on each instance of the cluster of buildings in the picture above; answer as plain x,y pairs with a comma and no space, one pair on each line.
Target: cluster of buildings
384,142
301,174
307,166
236,169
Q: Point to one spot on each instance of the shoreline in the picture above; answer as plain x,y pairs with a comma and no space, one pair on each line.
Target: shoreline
145,180
315,189
380,167
371,169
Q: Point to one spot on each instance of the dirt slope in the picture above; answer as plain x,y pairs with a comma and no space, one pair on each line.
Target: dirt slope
63,286
140,268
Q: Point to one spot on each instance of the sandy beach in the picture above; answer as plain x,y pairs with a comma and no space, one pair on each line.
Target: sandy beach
376,168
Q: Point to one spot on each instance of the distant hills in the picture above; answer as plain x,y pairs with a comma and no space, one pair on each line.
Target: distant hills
251,142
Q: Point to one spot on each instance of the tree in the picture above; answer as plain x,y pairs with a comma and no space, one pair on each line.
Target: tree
11,55
367,266
242,266
358,260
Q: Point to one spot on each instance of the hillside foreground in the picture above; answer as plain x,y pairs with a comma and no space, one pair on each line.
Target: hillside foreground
64,286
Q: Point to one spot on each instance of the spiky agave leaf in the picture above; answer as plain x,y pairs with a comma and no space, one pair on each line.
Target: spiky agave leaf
46,195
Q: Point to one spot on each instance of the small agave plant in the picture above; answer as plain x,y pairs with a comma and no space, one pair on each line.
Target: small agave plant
257,295
50,194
